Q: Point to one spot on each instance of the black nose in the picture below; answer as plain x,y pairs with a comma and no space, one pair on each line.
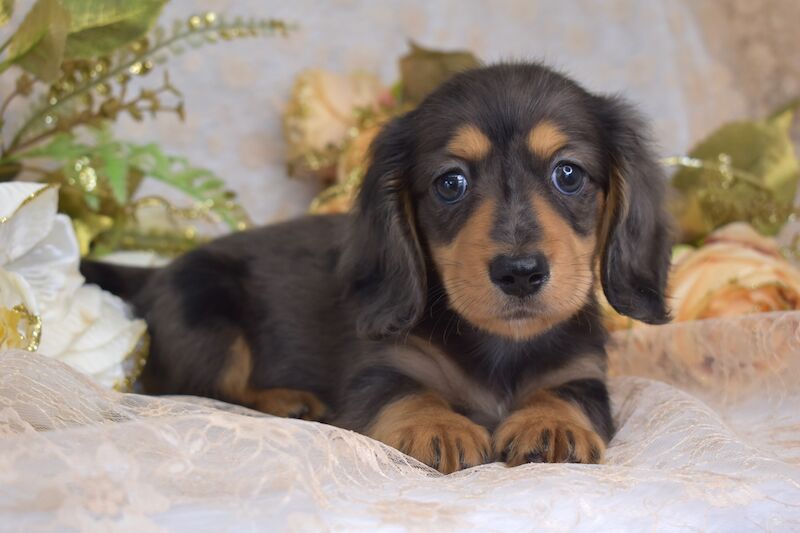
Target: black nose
519,276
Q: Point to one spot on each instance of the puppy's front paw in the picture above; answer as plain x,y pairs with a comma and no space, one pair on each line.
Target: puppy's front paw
555,432
424,427
448,444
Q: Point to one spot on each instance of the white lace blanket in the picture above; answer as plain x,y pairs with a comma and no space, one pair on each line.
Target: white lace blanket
74,456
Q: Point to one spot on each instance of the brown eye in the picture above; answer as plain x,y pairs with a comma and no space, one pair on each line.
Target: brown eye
450,187
568,178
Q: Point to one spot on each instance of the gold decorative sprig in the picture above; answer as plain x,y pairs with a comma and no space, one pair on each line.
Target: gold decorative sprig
82,81
90,86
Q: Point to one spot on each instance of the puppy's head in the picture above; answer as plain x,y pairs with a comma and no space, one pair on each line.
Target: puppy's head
511,187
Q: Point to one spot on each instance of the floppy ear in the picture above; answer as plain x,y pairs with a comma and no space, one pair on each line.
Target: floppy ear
382,260
636,228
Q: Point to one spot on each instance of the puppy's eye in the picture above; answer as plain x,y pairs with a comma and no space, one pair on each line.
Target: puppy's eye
568,178
450,187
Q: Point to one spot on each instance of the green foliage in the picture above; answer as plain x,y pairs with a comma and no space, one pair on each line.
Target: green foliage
743,171
6,10
110,171
86,53
98,27
38,44
76,29
73,98
422,70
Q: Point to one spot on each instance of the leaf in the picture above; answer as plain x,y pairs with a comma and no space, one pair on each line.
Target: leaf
118,168
98,27
783,116
6,10
114,167
198,183
92,201
63,146
24,85
422,70
763,151
38,44
88,227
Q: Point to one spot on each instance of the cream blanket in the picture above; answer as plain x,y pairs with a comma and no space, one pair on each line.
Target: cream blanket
715,445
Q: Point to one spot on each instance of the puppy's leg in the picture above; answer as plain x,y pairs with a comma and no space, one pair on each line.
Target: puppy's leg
392,408
569,423
234,386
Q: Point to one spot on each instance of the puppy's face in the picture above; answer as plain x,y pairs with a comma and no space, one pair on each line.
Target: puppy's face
514,184
508,186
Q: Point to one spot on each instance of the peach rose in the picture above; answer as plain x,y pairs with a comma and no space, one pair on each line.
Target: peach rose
737,271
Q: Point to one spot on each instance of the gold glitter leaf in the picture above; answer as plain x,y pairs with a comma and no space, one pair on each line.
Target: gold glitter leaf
98,27
744,171
38,44
88,227
19,328
422,70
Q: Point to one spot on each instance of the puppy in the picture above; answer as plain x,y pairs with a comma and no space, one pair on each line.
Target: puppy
452,315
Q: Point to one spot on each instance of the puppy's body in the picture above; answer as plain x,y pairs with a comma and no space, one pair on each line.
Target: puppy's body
452,314
275,288
301,339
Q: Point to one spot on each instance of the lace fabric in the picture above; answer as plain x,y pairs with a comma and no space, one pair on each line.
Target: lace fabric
708,438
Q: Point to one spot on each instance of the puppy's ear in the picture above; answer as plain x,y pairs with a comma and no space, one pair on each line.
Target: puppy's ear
636,229
382,260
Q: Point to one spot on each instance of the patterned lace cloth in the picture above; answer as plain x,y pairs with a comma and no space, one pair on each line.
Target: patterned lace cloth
709,439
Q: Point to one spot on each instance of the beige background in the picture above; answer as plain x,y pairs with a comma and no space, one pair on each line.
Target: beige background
689,64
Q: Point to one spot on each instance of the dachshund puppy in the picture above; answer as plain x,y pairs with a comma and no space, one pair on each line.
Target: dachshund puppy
452,315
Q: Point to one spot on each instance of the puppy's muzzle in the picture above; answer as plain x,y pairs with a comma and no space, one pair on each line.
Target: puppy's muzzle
519,275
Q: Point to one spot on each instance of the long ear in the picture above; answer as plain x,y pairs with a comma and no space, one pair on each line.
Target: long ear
636,228
382,260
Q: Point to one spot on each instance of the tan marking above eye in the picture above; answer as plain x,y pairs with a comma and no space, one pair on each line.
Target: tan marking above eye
545,139
469,143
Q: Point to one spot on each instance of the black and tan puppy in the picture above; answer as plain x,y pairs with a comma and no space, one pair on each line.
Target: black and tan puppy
452,315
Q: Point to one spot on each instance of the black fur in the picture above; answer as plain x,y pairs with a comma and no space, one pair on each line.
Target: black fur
124,281
380,258
592,396
324,303
369,391
636,261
